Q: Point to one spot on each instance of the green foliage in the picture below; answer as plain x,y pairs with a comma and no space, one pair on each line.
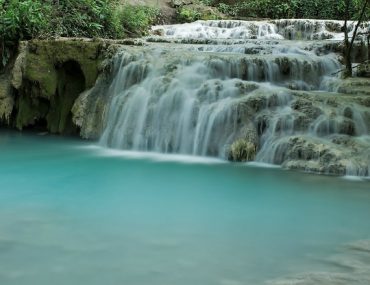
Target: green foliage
186,15
24,19
85,18
314,9
232,10
274,8
208,2
20,20
137,19
194,12
28,19
324,9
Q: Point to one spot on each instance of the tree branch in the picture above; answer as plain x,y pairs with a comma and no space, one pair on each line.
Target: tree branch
358,23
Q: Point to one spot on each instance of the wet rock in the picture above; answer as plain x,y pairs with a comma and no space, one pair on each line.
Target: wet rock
347,127
301,122
348,112
355,86
6,99
306,107
158,32
342,155
313,155
19,65
333,26
90,109
47,77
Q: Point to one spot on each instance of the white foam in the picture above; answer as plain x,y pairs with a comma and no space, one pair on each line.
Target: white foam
154,156
354,178
293,29
262,164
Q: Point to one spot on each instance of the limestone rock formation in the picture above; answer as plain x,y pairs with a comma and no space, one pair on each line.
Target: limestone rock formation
6,99
48,76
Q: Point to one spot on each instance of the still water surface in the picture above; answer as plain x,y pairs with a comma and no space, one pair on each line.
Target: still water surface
72,213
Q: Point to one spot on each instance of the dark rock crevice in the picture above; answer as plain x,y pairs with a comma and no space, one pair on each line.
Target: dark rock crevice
46,79
51,114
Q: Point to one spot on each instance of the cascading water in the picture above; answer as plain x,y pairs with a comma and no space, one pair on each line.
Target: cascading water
198,88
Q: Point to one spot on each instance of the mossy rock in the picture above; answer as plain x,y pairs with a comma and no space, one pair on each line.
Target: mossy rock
44,56
6,99
50,76
242,150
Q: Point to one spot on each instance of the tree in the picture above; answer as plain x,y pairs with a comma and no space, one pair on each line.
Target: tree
348,43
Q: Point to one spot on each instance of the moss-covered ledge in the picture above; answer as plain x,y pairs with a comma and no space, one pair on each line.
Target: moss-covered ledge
44,57
48,76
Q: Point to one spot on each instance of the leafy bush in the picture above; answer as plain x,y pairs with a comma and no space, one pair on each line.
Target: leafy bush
273,8
21,20
186,15
24,19
232,10
86,18
28,19
194,12
315,9
137,19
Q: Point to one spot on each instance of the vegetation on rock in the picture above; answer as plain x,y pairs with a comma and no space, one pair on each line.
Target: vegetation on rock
242,150
313,9
47,78
194,12
29,19
137,19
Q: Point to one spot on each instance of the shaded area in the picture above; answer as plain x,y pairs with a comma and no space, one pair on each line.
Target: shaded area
47,78
52,114
71,82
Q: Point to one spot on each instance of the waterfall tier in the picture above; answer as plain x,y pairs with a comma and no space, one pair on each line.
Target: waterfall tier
291,29
236,90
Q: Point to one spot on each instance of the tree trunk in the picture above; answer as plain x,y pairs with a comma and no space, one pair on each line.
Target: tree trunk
347,44
347,52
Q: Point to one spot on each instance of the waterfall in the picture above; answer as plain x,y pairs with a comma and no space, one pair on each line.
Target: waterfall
292,29
198,88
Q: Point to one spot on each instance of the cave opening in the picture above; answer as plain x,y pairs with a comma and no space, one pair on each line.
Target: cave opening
71,83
